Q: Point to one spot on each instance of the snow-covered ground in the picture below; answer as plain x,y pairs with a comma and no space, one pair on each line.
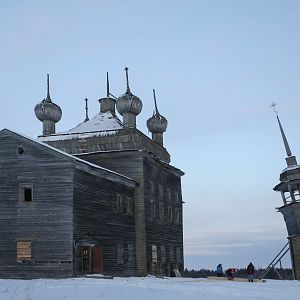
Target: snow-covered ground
146,288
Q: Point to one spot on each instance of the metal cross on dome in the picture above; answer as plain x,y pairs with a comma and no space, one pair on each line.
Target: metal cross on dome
273,105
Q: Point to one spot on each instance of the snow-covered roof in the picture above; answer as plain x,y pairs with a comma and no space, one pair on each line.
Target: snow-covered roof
102,124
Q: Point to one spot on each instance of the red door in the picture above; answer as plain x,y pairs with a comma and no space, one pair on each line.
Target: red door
97,259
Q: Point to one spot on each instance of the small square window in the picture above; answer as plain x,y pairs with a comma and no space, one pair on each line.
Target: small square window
26,192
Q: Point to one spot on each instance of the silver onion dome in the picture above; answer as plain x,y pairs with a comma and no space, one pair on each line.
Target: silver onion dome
129,103
46,110
157,123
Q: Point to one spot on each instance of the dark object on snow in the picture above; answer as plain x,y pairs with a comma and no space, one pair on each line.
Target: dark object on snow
219,270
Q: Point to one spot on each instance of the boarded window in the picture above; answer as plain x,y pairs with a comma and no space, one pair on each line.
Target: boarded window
23,251
120,254
119,201
25,192
154,254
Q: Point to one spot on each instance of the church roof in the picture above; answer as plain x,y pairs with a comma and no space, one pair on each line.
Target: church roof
101,122
104,123
113,176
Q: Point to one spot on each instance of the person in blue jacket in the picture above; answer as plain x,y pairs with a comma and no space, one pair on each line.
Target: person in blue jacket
219,270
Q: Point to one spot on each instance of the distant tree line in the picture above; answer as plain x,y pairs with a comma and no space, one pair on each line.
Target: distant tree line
285,273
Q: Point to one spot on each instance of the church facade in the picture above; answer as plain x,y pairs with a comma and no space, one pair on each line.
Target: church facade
99,198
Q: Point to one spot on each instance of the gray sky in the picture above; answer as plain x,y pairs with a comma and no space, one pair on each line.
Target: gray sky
215,65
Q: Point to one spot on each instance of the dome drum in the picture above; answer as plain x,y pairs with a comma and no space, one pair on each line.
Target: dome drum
107,104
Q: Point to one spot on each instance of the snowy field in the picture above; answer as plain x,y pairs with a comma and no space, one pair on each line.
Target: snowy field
145,288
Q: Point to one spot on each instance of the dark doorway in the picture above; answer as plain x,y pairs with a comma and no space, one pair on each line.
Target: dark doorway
97,259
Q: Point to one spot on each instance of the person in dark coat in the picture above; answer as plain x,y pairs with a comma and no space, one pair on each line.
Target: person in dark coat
250,272
219,270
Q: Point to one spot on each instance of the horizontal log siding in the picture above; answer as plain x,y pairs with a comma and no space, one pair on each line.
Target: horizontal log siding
129,164
159,231
46,222
127,138
95,215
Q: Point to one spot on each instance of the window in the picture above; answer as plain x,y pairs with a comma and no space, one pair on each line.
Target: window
160,191
129,206
119,200
161,210
178,254
153,209
25,192
163,254
171,254
130,253
120,254
176,197
152,190
154,254
169,194
23,251
177,216
170,214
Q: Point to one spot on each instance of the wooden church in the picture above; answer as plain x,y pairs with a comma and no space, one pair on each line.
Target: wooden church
99,198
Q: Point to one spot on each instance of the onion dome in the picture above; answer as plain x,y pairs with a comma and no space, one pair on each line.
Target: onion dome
46,110
157,123
128,103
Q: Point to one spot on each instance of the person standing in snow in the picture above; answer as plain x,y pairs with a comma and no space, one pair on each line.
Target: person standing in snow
250,272
219,270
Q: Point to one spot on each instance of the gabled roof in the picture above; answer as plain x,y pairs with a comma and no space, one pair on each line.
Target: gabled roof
101,125
89,167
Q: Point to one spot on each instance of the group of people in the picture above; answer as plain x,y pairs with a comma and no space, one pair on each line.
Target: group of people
231,272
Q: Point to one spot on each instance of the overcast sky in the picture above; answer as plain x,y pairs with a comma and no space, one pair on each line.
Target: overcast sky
216,66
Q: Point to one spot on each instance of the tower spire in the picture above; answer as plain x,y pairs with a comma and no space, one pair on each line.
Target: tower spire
127,81
155,103
48,89
290,159
285,142
86,110
107,85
